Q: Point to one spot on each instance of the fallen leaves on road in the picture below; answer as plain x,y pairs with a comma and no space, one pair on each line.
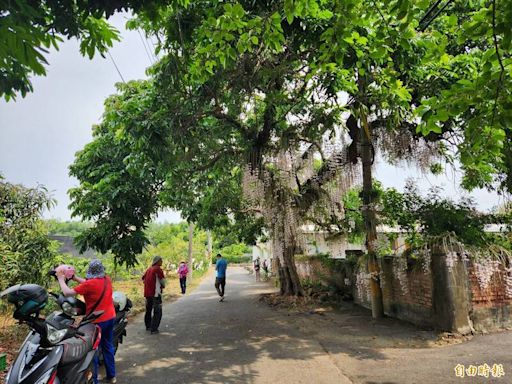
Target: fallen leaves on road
452,338
305,305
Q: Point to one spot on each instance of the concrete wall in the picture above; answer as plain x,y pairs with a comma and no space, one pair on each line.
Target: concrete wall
315,243
312,268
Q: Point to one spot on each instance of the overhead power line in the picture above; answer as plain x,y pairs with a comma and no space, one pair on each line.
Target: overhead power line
115,65
151,48
431,10
145,48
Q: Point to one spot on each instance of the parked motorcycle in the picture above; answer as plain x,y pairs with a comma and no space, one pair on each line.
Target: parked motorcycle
56,350
123,305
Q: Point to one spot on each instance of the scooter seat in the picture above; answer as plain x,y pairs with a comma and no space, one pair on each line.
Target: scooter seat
75,348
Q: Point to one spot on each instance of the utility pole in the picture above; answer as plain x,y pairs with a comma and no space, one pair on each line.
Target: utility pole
209,245
190,262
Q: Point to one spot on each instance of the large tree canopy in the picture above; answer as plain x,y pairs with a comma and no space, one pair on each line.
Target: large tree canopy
121,173
258,89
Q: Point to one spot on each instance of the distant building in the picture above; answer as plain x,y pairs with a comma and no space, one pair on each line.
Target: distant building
68,246
338,246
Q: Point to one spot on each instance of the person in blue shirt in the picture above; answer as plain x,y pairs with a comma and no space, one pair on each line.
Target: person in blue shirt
220,278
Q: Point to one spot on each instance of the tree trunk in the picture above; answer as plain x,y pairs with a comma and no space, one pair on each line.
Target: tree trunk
288,276
367,157
209,245
190,260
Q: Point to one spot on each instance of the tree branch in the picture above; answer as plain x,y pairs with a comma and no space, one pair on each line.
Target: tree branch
502,72
218,114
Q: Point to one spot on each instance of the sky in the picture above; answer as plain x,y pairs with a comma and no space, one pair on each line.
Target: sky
448,182
40,134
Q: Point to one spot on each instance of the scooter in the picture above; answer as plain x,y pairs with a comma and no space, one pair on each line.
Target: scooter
122,305
56,350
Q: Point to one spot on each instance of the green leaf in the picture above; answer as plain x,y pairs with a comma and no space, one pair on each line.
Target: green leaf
442,115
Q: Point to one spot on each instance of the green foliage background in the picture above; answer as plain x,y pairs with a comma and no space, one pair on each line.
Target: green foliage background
26,252
170,241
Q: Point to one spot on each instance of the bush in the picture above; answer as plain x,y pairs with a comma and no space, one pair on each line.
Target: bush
26,252
234,253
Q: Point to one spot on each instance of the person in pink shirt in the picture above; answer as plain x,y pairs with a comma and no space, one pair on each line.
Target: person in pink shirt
182,273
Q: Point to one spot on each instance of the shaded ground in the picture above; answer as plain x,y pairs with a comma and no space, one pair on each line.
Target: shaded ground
238,341
394,352
243,340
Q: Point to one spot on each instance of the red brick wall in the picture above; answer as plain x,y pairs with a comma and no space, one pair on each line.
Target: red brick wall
412,302
418,292
492,305
495,294
489,308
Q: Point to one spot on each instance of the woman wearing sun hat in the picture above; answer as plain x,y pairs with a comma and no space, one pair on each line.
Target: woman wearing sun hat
96,289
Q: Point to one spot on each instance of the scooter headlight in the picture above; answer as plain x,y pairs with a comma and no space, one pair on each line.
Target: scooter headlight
46,377
55,335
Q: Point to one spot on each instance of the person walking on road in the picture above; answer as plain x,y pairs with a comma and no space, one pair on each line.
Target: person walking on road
257,269
265,269
220,278
96,289
182,273
154,283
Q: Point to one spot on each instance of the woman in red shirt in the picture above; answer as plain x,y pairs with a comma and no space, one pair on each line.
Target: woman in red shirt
96,289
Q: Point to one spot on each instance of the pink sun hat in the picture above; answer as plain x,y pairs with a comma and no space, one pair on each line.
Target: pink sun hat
67,270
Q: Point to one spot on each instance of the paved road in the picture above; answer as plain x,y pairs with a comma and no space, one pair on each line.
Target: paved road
238,341
244,341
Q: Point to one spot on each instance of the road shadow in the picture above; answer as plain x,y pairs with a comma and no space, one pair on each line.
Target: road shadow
350,329
204,341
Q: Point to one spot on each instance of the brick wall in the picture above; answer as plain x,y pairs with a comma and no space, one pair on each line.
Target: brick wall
408,297
413,302
490,308
491,305
411,297
311,268
494,294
